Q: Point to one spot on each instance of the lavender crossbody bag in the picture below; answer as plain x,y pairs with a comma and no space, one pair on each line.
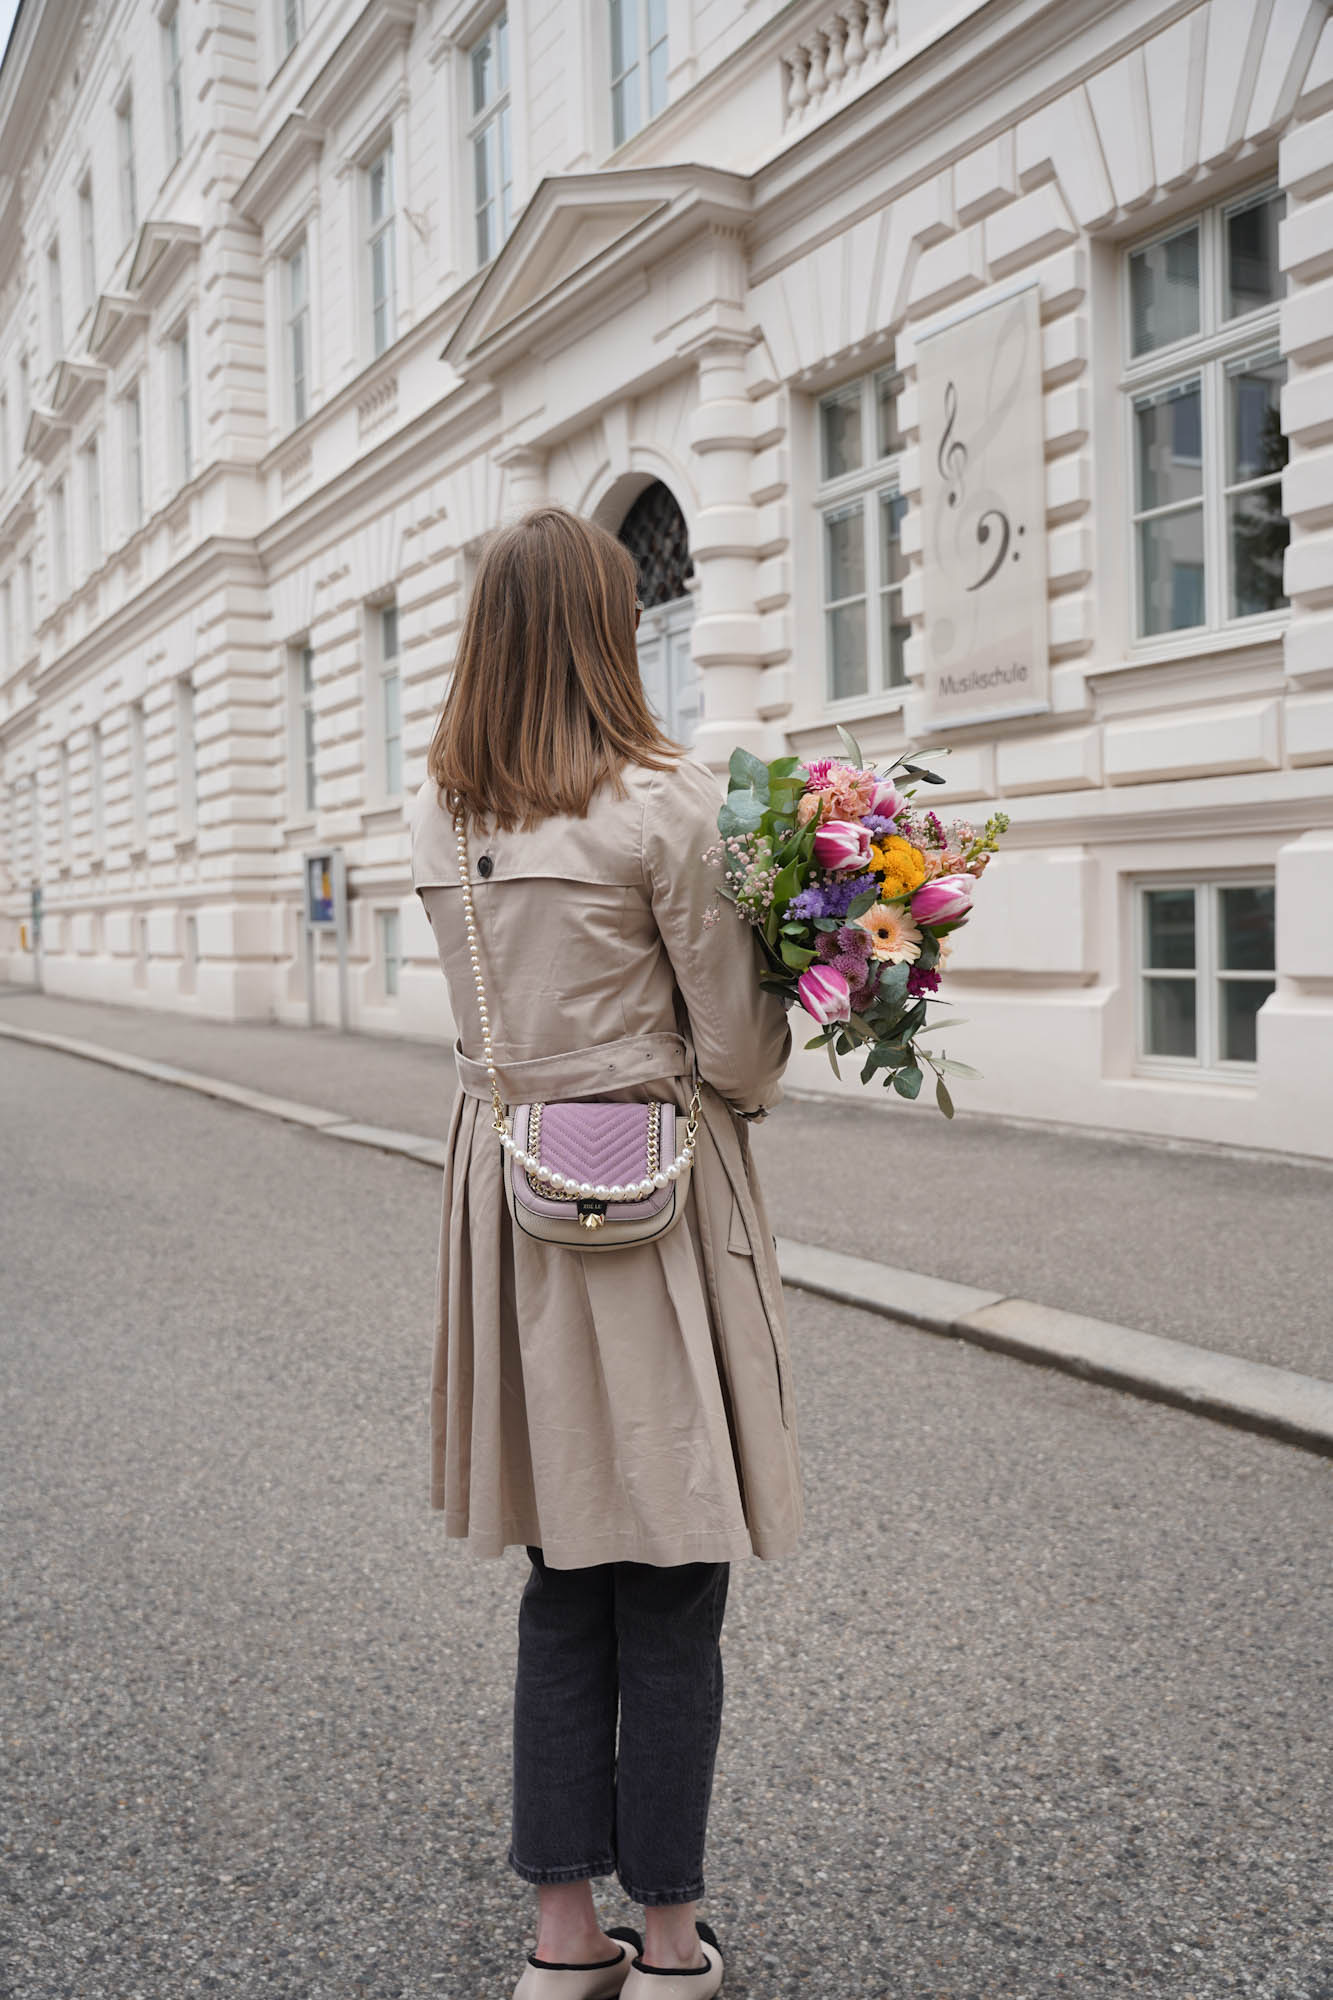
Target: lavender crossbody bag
589,1175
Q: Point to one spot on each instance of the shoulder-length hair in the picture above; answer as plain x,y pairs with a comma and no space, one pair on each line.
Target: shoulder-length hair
546,703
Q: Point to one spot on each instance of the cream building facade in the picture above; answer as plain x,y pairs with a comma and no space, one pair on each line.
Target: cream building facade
301,297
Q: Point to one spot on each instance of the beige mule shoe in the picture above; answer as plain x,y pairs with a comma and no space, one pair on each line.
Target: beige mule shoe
543,1981
653,1982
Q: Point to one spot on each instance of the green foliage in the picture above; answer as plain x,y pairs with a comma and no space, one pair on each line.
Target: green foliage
907,1082
942,1097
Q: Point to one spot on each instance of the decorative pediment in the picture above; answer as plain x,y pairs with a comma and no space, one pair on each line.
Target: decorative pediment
584,235
74,383
116,318
162,250
45,434
297,142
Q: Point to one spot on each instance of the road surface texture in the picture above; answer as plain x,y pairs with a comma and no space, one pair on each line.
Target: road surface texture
1222,1249
1040,1711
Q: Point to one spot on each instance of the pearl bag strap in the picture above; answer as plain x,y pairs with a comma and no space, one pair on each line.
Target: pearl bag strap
638,1190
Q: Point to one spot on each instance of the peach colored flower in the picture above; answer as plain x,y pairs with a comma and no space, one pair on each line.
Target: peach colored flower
894,938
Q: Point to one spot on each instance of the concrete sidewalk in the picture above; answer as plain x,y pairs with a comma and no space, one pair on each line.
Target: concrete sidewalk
1222,1251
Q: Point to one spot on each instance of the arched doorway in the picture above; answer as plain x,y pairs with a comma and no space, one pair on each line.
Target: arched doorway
655,534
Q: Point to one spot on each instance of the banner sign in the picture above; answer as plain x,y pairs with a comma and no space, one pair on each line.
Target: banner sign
983,514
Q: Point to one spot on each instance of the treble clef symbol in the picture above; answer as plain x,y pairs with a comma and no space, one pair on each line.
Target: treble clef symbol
951,458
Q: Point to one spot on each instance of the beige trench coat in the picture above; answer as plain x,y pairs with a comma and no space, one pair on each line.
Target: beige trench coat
632,1405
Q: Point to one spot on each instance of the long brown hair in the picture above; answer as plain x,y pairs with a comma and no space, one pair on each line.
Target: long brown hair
546,703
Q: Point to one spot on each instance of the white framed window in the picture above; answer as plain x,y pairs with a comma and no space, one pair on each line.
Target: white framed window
132,438
381,254
173,86
638,34
129,192
488,137
187,759
391,957
182,429
92,501
97,789
296,330
27,606
302,792
87,241
386,698
289,26
1206,962
1203,385
55,303
63,802
59,541
861,510
138,752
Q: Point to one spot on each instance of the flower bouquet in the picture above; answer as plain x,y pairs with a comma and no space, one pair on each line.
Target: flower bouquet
853,893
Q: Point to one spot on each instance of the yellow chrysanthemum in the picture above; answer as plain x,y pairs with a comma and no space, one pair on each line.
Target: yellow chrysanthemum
901,867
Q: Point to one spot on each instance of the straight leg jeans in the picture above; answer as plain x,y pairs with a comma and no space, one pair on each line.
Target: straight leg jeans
645,1639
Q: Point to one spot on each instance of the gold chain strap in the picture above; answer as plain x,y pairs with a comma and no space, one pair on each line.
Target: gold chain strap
557,1183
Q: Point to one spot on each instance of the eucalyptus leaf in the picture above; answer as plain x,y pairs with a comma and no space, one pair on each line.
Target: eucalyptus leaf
788,767
742,813
834,1060
747,770
795,955
819,1041
934,1027
893,982
952,1068
907,1082
942,1097
860,904
850,744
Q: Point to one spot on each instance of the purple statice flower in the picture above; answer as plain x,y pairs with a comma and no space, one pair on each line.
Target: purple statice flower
807,905
879,825
922,982
837,895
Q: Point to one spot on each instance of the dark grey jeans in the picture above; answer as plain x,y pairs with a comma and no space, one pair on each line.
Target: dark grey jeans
646,1640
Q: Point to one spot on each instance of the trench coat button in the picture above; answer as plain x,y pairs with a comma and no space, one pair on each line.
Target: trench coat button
485,865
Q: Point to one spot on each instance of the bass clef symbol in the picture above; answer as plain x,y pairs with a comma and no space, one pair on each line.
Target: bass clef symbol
983,536
951,458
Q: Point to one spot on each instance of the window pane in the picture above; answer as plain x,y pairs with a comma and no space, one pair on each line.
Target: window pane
1249,941
896,632
625,108
845,556
888,437
657,21
1168,928
657,79
1252,275
501,34
1169,439
1164,291
1258,532
847,651
624,35
840,432
892,564
1170,1025
1171,578
389,632
481,74
1239,1001
1254,395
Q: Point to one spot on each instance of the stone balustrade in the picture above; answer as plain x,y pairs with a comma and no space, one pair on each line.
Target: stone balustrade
843,51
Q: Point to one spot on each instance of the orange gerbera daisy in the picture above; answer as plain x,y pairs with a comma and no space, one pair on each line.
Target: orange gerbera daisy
894,938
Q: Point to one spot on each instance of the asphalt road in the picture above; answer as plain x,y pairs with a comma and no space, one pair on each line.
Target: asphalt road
1040,1709
1219,1248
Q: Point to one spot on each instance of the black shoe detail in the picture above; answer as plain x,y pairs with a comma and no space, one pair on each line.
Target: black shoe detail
597,1965
627,1935
708,1934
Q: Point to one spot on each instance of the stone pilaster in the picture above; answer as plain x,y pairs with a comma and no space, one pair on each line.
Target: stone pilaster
727,638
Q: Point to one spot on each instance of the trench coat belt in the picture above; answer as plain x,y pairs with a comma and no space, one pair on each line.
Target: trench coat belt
580,1072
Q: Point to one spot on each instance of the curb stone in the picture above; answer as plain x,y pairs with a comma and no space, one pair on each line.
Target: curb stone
1250,1395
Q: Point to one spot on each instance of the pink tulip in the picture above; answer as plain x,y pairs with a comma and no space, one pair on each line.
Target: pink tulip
887,800
944,900
841,843
825,994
